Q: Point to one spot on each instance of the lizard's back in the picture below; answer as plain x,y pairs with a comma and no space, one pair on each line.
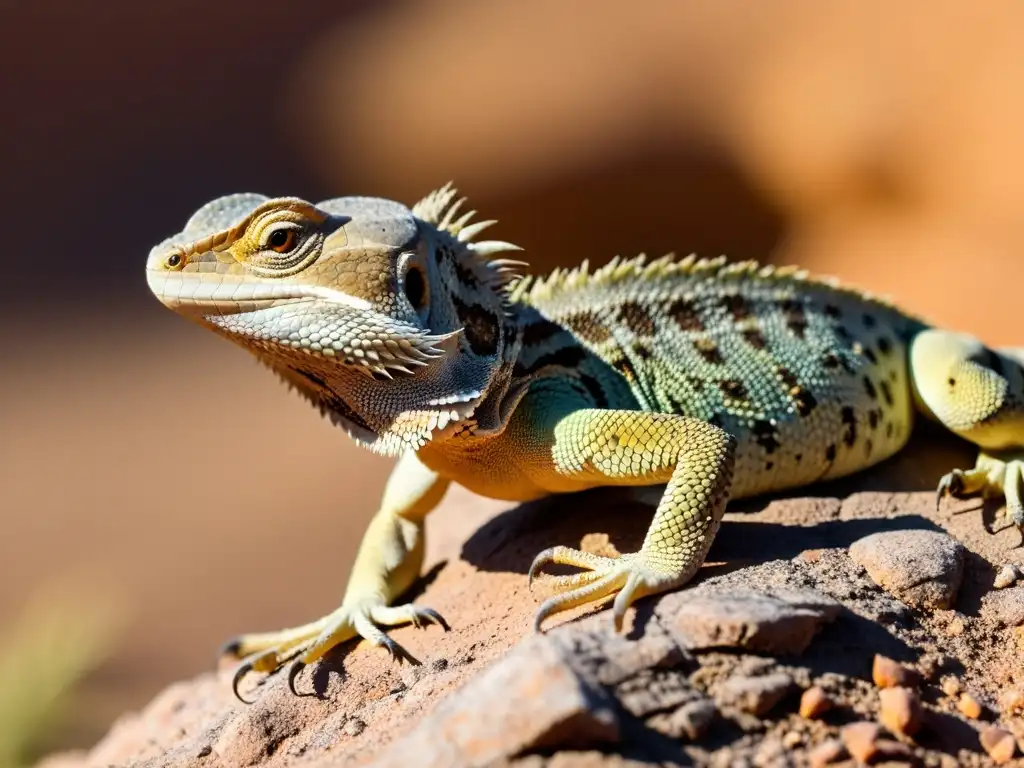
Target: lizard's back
809,377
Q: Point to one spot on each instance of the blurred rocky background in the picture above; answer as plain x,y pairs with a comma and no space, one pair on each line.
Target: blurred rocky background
150,465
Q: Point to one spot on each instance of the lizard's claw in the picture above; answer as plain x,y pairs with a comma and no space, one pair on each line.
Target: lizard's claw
991,477
951,484
632,576
304,645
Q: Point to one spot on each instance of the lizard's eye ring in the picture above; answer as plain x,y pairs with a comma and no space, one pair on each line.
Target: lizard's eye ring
282,240
174,260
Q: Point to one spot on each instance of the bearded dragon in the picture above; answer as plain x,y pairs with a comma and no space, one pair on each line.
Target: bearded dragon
720,380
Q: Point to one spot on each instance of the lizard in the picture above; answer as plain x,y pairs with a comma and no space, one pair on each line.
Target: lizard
719,380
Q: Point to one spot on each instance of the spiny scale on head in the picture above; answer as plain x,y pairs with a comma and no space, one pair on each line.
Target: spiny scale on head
441,207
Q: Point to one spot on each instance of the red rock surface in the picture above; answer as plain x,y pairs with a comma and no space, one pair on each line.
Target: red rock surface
489,692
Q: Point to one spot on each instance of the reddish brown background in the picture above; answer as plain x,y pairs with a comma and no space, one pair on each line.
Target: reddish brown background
139,455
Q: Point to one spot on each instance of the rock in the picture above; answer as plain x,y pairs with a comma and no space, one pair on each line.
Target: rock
859,740
814,702
951,686
782,621
889,674
656,690
1006,606
690,721
900,710
1007,576
754,695
921,568
969,706
489,689
999,744
1011,702
532,699
826,753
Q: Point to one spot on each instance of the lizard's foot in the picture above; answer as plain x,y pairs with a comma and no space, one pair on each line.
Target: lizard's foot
991,477
303,645
631,575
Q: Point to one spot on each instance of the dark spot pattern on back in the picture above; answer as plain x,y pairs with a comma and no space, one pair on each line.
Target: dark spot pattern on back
849,419
636,318
686,315
708,350
884,345
803,399
733,389
766,435
788,377
830,453
869,387
869,321
588,326
831,310
626,368
796,318
755,338
736,306
886,392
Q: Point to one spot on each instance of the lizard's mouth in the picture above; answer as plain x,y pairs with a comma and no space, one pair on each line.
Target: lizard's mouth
211,294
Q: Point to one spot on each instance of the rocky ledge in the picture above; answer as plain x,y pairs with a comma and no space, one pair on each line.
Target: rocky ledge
851,624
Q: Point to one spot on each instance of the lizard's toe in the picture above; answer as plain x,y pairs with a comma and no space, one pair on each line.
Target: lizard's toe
304,645
629,577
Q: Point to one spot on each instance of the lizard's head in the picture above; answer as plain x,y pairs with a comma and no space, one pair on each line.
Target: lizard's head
393,321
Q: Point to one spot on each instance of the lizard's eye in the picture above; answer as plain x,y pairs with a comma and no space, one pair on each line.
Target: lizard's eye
173,261
415,287
282,240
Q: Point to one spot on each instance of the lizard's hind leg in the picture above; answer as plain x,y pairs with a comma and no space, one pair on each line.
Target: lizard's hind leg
978,393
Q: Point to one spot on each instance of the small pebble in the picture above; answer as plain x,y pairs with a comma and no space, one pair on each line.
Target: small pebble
900,710
826,753
889,674
354,727
951,686
859,740
1007,576
814,702
1011,702
754,695
811,555
791,739
956,627
969,706
204,751
999,744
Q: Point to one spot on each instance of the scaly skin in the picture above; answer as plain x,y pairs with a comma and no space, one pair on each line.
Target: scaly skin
720,380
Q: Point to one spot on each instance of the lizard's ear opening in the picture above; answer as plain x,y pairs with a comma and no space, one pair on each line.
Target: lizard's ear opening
414,285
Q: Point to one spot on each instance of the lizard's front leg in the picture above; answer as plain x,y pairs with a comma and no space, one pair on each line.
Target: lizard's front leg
388,562
602,447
